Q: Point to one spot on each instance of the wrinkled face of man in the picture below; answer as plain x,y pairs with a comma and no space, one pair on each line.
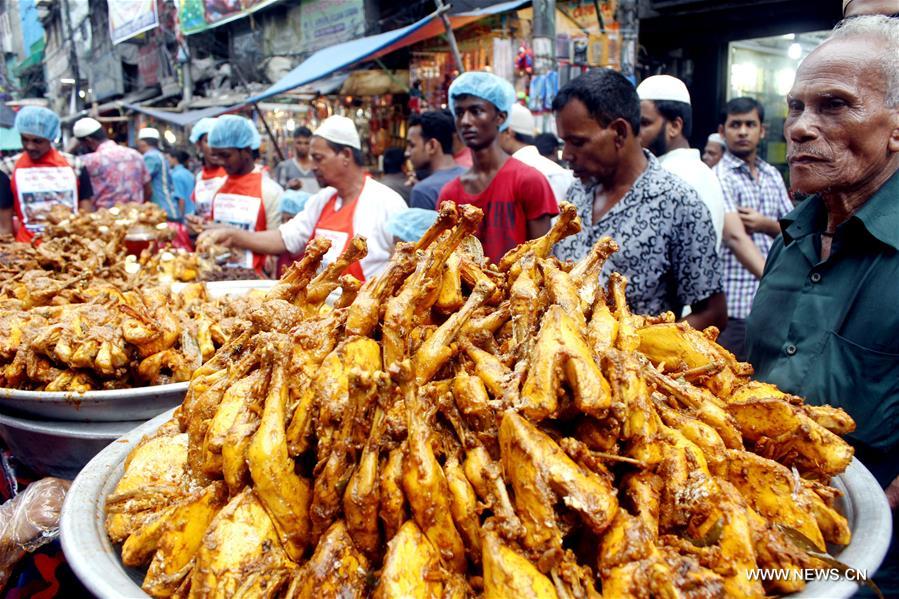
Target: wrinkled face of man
590,149
712,153
840,132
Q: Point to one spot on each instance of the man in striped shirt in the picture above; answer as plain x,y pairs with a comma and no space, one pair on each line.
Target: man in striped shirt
755,198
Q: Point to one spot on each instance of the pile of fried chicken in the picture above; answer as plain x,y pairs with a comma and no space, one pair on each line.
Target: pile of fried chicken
73,338
454,428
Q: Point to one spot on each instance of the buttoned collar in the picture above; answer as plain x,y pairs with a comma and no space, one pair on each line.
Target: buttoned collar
879,216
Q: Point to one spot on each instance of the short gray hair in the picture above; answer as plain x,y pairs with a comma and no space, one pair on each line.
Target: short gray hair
885,29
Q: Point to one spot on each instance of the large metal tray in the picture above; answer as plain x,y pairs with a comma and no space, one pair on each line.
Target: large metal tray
59,448
138,403
97,563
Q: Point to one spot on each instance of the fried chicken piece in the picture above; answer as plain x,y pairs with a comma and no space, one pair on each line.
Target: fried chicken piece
541,474
240,542
392,504
560,354
567,223
180,540
235,401
424,482
364,312
586,272
509,574
292,286
463,505
336,570
328,280
285,495
411,567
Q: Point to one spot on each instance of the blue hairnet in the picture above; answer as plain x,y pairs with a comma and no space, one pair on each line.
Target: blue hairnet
411,224
293,201
201,128
488,86
37,121
232,131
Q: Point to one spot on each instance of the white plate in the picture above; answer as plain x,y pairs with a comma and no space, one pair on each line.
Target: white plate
97,562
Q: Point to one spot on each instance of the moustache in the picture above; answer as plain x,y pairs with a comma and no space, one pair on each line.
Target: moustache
806,151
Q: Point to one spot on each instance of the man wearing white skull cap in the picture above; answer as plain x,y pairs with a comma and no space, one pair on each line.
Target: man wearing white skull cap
666,118
349,203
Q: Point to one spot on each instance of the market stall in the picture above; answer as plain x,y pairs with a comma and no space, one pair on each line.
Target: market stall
464,427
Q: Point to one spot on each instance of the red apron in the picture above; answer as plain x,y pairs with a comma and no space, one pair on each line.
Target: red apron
337,225
209,180
37,187
238,203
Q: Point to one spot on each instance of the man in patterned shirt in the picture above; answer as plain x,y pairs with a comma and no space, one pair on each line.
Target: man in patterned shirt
118,174
754,200
665,231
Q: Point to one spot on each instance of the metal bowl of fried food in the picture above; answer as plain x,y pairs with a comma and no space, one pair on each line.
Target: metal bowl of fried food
62,449
97,561
114,405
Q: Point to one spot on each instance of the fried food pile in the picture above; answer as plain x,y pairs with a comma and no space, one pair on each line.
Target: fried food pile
455,428
104,338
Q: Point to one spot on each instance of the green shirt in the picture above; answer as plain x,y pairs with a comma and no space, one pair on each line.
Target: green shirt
829,331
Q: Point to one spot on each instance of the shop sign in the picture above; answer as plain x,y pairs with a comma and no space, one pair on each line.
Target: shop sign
200,15
328,22
128,18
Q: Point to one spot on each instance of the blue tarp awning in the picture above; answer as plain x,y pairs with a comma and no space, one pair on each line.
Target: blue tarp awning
328,60
182,119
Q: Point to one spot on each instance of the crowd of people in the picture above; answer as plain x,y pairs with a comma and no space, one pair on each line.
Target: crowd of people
797,280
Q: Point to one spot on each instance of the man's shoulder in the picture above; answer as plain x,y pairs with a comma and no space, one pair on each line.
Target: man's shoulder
8,164
385,194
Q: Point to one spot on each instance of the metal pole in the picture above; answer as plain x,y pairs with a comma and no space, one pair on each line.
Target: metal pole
544,43
73,53
442,9
627,17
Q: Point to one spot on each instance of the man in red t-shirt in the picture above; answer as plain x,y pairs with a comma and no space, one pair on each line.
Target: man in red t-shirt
517,201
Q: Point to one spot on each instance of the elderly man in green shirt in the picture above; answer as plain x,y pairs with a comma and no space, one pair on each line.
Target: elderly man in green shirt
825,323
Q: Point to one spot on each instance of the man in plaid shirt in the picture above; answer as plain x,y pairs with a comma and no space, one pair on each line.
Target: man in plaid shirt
755,198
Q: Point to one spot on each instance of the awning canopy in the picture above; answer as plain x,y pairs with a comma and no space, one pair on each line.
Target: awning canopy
328,60
182,119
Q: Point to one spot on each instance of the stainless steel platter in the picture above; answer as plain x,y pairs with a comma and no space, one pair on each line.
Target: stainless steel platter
59,448
97,563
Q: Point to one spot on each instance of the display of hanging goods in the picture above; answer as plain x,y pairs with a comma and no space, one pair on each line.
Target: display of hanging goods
455,427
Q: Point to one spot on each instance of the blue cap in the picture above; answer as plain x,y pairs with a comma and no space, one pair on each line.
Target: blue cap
411,224
232,131
37,121
488,86
293,201
201,128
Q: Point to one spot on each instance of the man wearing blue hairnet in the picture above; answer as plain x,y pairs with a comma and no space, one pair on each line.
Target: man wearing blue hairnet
517,201
32,182
248,200
208,180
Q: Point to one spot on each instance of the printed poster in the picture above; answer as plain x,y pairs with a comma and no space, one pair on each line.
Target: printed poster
128,18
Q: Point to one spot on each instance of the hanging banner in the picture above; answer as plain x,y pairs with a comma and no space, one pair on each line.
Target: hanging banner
128,18
199,15
328,22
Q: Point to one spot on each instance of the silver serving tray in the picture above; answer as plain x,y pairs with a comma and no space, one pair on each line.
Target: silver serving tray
97,562
59,448
137,403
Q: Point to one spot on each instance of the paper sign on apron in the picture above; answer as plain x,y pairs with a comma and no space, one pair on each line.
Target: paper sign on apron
204,191
239,211
39,188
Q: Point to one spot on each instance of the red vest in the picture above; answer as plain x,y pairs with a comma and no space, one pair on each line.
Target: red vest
337,225
37,186
238,203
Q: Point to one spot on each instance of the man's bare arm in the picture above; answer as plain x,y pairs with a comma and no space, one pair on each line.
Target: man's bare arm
260,242
739,242
6,221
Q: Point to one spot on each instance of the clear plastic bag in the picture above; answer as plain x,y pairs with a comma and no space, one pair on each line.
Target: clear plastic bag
30,520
